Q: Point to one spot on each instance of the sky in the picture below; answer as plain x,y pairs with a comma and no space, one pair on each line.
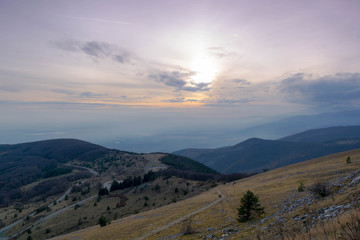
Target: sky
118,70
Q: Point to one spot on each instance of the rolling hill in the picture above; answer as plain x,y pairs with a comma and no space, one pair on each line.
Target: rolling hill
289,213
41,180
255,155
25,163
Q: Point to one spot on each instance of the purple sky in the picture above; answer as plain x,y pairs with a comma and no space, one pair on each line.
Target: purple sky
138,68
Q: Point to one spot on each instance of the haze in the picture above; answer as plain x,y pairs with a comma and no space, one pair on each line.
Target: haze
186,73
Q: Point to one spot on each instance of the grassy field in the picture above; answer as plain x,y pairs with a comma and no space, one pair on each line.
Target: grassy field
140,199
276,189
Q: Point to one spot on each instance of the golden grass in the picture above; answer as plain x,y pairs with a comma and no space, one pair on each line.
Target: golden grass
272,187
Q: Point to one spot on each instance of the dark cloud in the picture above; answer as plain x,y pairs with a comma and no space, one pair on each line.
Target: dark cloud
121,58
180,81
94,49
341,89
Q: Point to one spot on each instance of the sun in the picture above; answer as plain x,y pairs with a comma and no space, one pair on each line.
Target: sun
205,69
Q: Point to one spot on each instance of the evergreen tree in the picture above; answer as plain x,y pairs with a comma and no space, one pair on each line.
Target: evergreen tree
103,221
249,205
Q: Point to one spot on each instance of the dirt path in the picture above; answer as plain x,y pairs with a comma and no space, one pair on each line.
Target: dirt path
51,215
92,171
179,220
62,197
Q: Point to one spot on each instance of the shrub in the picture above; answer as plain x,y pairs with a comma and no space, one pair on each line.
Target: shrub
187,228
320,189
301,187
249,207
157,188
103,221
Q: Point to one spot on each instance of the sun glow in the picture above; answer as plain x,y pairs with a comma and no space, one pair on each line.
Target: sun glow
205,68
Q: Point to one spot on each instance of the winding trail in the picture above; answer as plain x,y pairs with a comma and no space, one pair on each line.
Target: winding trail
62,197
179,220
51,215
92,171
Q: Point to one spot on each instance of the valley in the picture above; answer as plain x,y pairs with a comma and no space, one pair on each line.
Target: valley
75,184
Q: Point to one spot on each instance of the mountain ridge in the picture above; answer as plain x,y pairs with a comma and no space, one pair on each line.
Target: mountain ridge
256,154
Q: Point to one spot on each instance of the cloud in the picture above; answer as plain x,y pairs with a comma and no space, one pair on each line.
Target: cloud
91,95
180,81
94,49
63,91
12,89
341,89
220,52
80,95
221,102
181,100
241,81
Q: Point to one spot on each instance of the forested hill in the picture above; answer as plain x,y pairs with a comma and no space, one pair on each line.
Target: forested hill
256,155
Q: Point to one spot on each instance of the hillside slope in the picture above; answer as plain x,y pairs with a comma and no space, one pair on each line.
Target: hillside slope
23,164
254,155
287,212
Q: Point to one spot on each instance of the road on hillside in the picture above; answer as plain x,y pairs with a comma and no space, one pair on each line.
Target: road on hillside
62,197
51,215
179,220
92,171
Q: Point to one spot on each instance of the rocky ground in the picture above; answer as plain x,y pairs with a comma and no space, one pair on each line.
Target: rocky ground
290,207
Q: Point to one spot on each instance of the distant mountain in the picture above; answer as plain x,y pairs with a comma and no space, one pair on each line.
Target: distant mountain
216,136
323,135
300,123
254,155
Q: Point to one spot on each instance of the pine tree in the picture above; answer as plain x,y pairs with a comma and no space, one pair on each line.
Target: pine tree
249,205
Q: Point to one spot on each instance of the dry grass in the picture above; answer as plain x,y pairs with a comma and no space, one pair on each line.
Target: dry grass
272,187
88,215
